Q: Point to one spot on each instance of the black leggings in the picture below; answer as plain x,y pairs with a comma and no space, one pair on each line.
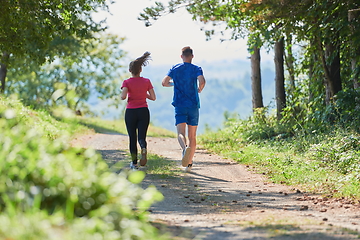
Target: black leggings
137,122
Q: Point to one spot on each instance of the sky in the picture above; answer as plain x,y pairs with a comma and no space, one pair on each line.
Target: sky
165,38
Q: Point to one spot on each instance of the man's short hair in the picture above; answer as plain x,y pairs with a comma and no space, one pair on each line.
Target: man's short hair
187,51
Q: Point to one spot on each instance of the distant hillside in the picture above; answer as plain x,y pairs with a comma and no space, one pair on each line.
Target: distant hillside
228,88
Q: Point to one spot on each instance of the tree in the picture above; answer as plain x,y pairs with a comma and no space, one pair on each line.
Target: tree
257,98
280,96
3,70
95,70
243,18
29,27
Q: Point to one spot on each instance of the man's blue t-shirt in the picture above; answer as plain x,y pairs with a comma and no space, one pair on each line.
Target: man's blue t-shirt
185,76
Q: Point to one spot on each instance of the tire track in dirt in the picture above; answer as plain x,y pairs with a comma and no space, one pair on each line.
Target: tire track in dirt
221,199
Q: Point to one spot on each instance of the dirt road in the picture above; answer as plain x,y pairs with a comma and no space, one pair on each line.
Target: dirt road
221,199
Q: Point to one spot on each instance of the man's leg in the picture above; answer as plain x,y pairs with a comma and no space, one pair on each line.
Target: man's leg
193,120
192,141
181,128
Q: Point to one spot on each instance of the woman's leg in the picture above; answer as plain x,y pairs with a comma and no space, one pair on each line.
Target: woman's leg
131,124
142,126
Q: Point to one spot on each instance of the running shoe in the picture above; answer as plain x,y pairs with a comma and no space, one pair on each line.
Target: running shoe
134,166
143,159
188,168
185,157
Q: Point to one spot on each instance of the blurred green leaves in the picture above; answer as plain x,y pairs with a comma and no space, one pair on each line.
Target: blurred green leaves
136,177
90,69
70,191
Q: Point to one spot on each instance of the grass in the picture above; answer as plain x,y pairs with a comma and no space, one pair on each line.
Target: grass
325,163
162,167
42,121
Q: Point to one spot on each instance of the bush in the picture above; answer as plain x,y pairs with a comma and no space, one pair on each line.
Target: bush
339,152
66,190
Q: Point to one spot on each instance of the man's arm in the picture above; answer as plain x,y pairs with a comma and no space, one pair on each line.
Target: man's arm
166,82
202,82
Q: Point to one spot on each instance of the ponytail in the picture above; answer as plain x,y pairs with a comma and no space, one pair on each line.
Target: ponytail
135,66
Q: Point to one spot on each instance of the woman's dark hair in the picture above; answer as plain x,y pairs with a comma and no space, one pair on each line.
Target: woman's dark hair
135,66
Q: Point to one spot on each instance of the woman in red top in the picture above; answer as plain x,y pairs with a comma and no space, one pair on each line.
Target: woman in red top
137,116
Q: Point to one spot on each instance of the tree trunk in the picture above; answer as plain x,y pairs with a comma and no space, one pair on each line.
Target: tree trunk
257,98
279,78
334,82
289,60
331,55
3,71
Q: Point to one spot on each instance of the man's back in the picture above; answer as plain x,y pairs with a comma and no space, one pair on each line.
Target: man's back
184,76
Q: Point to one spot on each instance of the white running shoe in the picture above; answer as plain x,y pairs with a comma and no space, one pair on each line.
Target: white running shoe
134,167
188,168
185,156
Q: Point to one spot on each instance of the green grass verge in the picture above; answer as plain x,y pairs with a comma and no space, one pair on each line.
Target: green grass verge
40,120
325,163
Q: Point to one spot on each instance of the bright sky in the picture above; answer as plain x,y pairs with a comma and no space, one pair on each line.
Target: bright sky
165,38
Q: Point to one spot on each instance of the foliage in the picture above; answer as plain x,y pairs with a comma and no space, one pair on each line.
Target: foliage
257,127
72,191
32,25
304,115
340,152
320,34
94,71
346,108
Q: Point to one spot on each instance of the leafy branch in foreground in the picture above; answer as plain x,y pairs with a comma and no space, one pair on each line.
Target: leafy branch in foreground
71,189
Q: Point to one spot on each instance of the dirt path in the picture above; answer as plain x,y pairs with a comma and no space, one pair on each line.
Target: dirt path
221,199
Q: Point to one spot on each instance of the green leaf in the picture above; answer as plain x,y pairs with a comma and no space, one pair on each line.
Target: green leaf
136,177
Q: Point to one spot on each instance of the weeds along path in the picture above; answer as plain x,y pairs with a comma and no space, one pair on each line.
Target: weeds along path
221,199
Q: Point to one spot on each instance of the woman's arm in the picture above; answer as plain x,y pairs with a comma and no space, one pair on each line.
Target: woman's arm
151,95
124,92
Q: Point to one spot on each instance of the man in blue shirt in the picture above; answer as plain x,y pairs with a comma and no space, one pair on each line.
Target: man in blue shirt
188,81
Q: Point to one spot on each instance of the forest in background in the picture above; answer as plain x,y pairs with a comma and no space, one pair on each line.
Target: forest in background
316,54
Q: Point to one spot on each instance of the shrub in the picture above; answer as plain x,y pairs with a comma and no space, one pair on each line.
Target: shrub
46,180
